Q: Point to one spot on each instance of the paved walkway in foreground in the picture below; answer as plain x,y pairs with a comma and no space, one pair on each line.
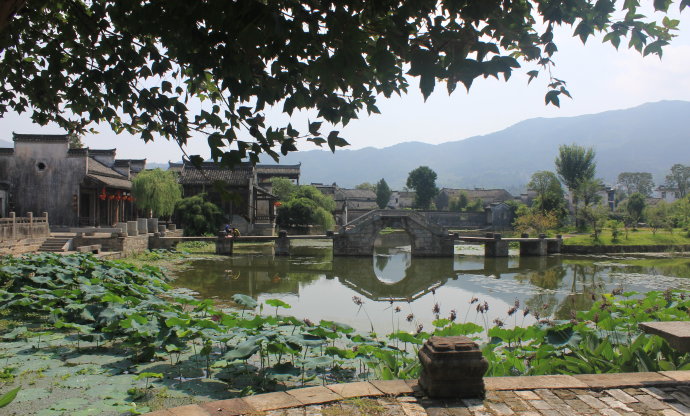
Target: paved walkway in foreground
664,393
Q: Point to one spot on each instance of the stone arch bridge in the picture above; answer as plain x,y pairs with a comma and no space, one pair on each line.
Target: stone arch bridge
427,239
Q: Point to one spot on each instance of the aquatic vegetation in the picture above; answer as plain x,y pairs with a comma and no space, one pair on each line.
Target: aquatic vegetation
179,338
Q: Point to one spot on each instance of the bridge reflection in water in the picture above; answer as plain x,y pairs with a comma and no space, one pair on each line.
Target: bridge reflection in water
320,286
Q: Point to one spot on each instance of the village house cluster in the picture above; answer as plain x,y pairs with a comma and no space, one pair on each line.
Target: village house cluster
83,187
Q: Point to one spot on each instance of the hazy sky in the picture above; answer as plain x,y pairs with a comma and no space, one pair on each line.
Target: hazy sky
599,79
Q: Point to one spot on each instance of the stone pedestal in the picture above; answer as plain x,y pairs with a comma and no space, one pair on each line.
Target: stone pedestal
452,367
224,244
533,247
282,244
142,225
132,228
172,227
554,246
123,227
152,224
496,248
161,230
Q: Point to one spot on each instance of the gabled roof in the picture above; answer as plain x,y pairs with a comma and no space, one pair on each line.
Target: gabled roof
106,176
210,172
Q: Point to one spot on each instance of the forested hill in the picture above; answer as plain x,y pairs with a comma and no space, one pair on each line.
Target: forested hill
648,138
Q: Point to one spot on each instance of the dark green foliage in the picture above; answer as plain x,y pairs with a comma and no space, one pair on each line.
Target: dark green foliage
423,181
633,182
134,65
575,164
197,216
306,206
550,195
383,193
679,178
635,206
156,191
459,203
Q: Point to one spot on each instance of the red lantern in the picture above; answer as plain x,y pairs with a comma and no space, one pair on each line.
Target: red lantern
118,196
277,204
102,196
111,197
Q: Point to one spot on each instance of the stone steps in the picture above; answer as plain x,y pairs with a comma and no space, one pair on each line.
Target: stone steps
54,245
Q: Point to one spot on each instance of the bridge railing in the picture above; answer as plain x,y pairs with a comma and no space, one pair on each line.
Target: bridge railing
372,215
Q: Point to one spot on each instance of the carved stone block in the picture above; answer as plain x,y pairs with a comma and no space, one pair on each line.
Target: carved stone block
452,367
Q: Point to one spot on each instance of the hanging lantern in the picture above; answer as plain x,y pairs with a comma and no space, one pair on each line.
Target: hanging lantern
118,196
102,195
277,204
111,197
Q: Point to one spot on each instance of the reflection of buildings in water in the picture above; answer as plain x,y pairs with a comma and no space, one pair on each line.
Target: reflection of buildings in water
420,277
250,275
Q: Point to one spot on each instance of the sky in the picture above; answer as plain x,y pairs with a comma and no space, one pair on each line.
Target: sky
599,79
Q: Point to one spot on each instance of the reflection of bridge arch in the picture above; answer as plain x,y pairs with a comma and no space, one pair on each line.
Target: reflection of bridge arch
421,277
427,239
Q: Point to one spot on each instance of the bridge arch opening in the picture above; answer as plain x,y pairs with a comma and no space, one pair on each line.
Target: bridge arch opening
392,255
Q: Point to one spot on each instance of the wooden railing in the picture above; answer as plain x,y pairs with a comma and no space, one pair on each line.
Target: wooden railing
15,228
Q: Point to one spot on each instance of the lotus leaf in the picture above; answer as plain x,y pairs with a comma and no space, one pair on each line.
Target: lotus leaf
244,300
242,351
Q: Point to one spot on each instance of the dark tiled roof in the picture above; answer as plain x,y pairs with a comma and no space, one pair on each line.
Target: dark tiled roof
107,176
77,152
111,182
268,170
127,162
102,152
362,194
63,138
6,150
209,172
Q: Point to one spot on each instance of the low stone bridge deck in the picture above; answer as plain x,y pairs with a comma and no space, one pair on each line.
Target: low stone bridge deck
665,393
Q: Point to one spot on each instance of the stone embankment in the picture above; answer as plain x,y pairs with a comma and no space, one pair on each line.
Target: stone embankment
656,393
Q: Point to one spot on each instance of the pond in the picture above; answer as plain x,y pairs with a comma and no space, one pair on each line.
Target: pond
401,292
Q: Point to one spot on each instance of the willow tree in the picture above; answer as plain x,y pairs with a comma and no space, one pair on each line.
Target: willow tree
156,192
171,68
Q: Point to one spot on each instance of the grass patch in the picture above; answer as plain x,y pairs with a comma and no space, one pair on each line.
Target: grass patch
641,237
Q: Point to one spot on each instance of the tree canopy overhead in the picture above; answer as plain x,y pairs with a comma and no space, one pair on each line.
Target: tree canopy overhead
143,66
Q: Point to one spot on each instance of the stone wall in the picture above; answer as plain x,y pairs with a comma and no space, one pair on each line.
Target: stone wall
17,247
457,220
126,245
49,178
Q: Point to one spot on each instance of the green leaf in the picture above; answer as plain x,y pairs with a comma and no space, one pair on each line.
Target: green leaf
277,303
314,128
7,398
552,98
244,300
335,141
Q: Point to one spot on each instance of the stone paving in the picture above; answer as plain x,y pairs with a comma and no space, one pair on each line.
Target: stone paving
665,393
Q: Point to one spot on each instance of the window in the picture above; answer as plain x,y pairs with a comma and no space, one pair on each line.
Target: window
41,166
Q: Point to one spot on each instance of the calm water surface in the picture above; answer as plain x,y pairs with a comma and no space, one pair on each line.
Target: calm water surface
320,286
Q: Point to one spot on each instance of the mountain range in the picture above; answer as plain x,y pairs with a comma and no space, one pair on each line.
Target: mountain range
648,138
